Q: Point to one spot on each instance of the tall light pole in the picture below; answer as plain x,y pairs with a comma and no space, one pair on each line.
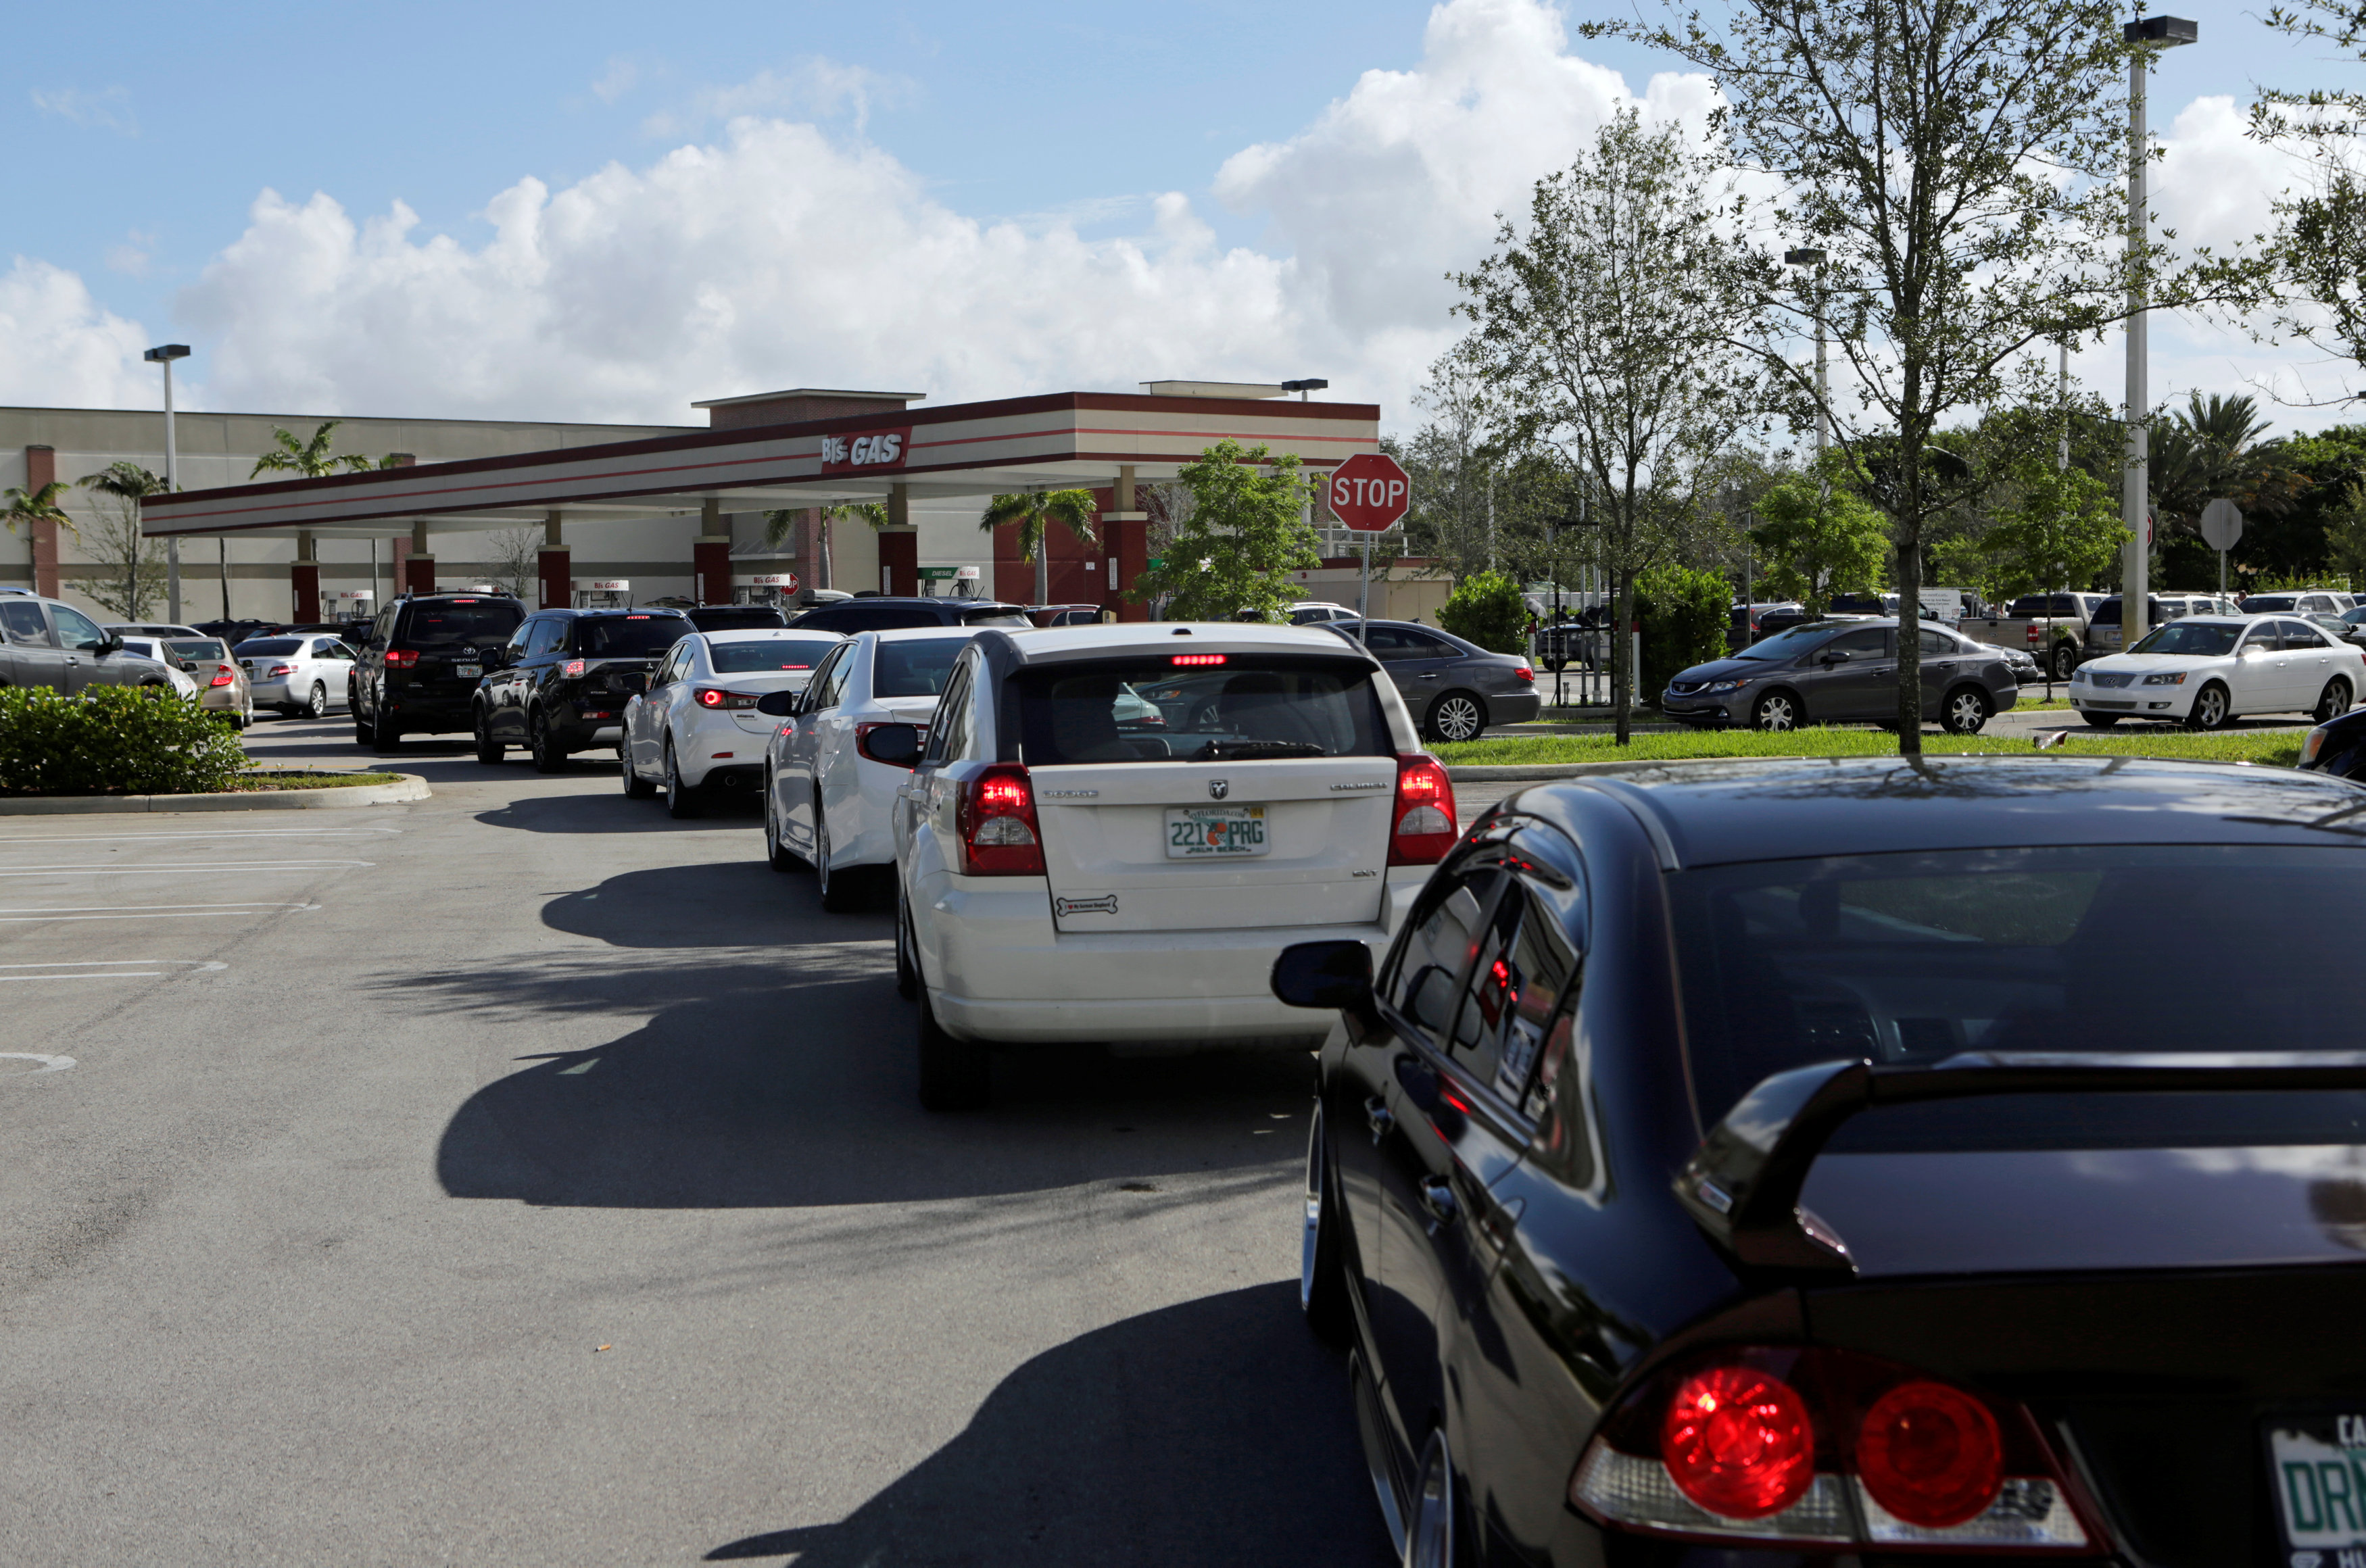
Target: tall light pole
2152,34
1808,256
164,355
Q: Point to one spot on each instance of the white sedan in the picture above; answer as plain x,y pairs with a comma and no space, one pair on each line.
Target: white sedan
153,648
2205,670
300,675
697,728
833,772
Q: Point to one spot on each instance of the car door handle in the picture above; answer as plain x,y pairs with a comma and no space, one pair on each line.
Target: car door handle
1378,1118
1438,1200
1429,675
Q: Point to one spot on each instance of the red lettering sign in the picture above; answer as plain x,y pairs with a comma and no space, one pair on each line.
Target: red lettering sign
869,449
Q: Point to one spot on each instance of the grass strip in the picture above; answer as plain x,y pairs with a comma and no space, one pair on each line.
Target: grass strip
2277,747
249,782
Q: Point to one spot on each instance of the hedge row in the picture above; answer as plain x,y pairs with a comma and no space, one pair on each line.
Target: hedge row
113,740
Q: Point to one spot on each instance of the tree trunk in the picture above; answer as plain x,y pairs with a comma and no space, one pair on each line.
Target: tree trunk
821,554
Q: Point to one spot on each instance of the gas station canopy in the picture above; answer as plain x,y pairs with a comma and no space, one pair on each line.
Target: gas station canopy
763,459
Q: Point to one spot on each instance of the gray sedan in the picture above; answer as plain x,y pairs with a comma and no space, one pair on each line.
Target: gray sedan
1842,672
1454,688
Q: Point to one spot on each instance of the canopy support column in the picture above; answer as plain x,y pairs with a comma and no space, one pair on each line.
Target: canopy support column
555,565
304,581
418,567
711,556
899,547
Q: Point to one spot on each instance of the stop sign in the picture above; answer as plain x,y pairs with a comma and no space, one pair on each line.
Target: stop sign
1369,492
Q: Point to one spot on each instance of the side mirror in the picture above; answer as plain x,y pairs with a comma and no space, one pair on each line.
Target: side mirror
1833,657
108,642
778,704
898,746
1335,976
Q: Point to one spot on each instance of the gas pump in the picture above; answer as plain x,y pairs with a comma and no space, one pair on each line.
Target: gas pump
776,588
603,593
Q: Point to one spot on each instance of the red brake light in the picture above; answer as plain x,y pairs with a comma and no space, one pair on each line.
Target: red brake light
2032,632
401,658
715,696
281,669
1931,1454
1199,658
572,667
636,617
1421,825
1527,674
221,677
997,824
464,601
1738,1442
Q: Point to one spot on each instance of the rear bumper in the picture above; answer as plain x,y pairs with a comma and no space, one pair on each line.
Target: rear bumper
424,713
1514,707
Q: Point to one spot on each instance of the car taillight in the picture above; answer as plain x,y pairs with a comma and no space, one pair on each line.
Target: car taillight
1804,1444
1421,825
222,676
2031,632
1524,673
571,667
996,825
278,670
730,702
401,658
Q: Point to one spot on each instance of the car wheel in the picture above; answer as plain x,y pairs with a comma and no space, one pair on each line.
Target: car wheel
2332,702
681,799
547,758
1457,716
955,1075
776,854
318,707
489,750
1966,711
1429,1523
636,787
1322,1277
2065,660
907,961
2212,708
841,886
1777,712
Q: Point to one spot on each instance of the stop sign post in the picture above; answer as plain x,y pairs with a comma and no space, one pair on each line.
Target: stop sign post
2222,526
1369,493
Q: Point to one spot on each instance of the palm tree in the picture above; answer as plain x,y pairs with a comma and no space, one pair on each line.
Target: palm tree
1031,510
122,538
29,507
2210,449
305,459
778,523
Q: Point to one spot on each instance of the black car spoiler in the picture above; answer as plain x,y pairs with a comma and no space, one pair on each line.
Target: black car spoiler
1741,1186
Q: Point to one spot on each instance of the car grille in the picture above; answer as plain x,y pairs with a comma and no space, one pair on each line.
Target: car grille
2101,678
1685,687
2103,702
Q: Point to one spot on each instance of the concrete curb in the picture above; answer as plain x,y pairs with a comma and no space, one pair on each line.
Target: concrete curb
406,787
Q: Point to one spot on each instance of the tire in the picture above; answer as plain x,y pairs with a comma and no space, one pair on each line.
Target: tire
1966,709
384,734
776,854
2063,660
682,800
1322,1274
636,787
843,889
489,751
955,1075
1777,712
2212,708
547,758
316,706
1457,716
2332,702
1430,1518
2101,721
907,958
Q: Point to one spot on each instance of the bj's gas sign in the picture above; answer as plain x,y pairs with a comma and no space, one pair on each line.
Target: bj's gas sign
872,449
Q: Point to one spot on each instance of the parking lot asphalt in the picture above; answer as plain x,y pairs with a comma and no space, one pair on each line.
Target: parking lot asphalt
522,1176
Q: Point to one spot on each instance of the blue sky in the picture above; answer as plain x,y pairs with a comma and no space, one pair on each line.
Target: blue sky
142,137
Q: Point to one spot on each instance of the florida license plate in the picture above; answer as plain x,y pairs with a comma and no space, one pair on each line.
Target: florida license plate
2319,1465
468,672
1204,832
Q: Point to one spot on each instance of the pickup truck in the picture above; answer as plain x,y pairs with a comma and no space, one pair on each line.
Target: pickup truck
2050,627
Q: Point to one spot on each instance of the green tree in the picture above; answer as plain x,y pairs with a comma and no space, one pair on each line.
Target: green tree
2054,528
2345,533
1487,609
1035,510
1817,538
1685,614
310,459
21,507
134,562
1241,536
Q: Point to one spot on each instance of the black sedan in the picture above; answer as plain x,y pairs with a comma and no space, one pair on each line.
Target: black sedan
1745,1163
1842,671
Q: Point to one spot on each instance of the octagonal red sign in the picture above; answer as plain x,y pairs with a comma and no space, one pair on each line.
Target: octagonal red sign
1369,492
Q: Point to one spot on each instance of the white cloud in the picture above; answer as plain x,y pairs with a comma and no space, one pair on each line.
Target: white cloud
58,347
134,256
619,80
108,109
821,88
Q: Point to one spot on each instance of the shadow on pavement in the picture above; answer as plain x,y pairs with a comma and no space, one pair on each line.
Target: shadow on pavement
608,811
1217,1431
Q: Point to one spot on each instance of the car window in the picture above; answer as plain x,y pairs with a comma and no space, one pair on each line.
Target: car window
1254,706
75,630
1870,642
2301,634
460,623
627,636
1938,643
274,647
768,654
22,623
830,680
918,668
1424,982
2208,640
885,617
1393,642
949,738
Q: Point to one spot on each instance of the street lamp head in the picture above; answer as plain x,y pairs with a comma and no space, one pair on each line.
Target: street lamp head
2166,32
1309,386
1806,256
166,353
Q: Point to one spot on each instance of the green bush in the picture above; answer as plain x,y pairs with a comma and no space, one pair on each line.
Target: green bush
1488,610
1685,616
113,740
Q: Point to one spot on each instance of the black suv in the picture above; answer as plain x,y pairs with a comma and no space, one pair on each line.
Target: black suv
561,684
883,614
418,669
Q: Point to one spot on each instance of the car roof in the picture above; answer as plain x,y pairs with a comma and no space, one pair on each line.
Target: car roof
620,609
1732,811
1056,642
903,634
763,633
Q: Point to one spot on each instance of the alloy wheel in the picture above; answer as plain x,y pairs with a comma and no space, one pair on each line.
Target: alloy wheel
2210,708
1776,711
2332,702
1455,718
1967,713
318,707
680,803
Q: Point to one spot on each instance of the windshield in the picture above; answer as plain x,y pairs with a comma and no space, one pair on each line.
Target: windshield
1787,645
2204,641
460,623
270,645
2259,602
1911,958
757,657
917,668
628,637
1144,710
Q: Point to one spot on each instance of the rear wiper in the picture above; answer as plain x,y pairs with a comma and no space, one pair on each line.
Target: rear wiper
1237,751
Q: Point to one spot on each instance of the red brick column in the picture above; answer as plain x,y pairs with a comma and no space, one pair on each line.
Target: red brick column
418,573
711,560
556,568
899,554
41,468
304,578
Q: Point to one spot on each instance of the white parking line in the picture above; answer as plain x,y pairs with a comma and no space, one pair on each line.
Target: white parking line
224,833
184,867
48,1064
113,969
144,911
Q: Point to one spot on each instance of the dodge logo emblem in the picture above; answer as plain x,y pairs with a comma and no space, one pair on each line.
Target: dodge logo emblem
1219,788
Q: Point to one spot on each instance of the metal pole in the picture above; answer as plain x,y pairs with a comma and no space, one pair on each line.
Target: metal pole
2135,486
1364,595
172,546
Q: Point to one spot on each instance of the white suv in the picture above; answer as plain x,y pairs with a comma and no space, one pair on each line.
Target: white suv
1113,830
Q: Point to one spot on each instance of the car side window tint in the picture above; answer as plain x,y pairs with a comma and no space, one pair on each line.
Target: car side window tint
1937,642
1422,647
1485,1003
2301,634
1441,934
839,677
818,695
24,624
1870,642
76,630
949,736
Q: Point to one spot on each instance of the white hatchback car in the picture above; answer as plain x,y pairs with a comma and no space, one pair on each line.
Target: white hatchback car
2205,670
836,769
303,674
1073,868
696,727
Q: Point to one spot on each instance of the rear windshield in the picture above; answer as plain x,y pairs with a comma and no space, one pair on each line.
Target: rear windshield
271,646
754,657
736,618
1004,616
1912,958
460,625
196,648
867,618
628,637
1150,709
2206,639
2259,602
917,668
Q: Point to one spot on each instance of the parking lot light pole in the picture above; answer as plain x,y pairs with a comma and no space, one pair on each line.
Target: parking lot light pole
2136,492
164,355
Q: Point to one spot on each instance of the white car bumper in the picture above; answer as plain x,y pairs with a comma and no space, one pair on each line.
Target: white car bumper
999,971
711,739
2138,701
